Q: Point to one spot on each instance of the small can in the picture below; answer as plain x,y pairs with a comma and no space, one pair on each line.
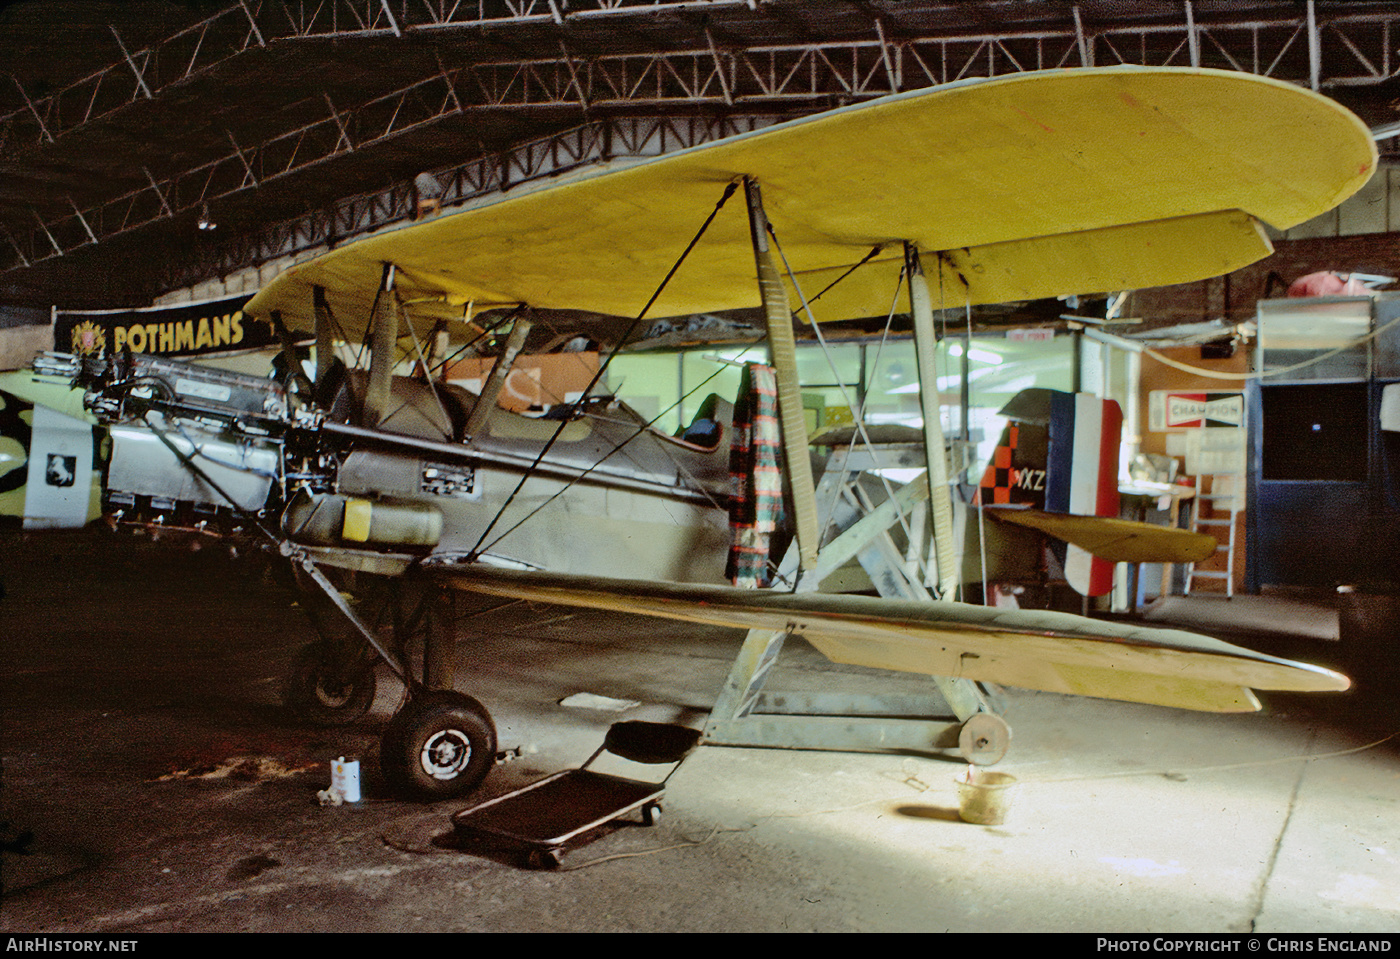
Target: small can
345,778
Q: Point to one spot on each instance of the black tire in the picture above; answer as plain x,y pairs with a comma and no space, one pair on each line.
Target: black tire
439,746
319,693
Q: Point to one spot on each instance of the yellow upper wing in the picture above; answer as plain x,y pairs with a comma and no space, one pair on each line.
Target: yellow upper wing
1036,185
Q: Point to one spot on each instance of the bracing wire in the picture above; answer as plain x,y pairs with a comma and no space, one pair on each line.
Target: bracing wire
605,457
729,191
874,252
1260,374
860,413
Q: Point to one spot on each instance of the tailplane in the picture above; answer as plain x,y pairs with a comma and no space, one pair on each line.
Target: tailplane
1058,454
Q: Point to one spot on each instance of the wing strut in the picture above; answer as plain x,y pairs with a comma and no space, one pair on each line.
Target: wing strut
500,371
782,346
295,374
744,714
325,336
925,345
381,357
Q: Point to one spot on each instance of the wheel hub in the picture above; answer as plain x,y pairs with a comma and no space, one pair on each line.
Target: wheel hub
446,754
332,693
984,739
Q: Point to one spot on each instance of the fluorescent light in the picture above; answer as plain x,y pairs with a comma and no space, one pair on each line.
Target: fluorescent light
976,353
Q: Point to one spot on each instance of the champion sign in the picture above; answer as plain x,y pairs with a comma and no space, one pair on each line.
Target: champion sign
1169,410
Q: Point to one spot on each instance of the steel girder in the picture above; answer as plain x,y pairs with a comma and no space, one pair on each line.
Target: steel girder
872,49
608,138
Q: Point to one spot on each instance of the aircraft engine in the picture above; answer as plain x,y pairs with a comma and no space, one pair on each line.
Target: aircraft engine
147,474
192,447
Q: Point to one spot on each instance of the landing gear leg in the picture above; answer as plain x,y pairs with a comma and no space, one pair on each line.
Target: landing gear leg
332,681
441,743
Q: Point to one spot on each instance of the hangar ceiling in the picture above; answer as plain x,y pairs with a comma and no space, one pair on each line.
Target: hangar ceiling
124,126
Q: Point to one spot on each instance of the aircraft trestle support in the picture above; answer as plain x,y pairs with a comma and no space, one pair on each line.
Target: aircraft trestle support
745,714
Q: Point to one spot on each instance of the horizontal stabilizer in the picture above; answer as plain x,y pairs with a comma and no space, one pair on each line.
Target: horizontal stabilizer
1115,540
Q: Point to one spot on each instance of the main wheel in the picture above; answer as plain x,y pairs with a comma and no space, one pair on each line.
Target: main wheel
321,692
442,744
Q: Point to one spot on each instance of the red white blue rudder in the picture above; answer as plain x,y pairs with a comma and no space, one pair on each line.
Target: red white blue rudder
1082,476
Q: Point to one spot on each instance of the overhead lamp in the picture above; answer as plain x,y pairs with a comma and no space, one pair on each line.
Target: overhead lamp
205,223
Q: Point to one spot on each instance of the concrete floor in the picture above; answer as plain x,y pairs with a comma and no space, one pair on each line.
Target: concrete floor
152,783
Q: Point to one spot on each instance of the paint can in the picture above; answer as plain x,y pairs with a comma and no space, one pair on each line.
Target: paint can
345,779
984,797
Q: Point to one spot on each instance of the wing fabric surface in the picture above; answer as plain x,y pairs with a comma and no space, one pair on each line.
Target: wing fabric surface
1053,652
1022,187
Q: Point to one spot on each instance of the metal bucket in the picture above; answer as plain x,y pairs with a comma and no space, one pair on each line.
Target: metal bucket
984,797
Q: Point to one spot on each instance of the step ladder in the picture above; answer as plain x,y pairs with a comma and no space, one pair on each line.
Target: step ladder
1224,500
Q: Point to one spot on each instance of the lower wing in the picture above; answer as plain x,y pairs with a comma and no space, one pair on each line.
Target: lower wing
1054,652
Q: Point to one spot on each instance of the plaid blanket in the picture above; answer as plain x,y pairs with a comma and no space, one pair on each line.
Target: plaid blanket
755,465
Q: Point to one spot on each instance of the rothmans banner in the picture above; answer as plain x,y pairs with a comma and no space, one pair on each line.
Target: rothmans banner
187,329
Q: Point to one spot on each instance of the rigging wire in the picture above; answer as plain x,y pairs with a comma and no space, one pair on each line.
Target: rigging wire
875,251
423,361
604,458
484,333
729,191
1260,374
967,439
443,365
849,449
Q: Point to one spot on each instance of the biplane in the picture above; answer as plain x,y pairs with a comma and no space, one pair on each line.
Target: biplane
379,480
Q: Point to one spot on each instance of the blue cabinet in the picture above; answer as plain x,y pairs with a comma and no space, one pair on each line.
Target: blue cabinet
1324,477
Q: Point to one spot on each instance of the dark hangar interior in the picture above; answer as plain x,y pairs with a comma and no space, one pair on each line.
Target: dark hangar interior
173,744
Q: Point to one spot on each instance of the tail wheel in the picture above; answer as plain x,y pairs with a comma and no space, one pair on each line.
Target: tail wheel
441,745
984,739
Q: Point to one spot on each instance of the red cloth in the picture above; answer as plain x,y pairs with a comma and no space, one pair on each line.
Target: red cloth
1326,283
755,466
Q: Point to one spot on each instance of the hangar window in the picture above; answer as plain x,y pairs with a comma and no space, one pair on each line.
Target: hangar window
880,377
